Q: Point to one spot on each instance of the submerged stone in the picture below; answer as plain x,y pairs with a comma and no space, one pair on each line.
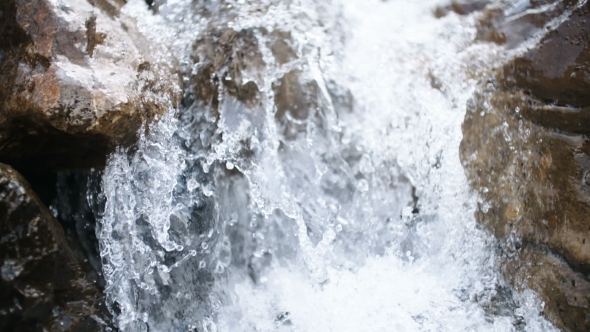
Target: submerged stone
76,80
225,55
42,286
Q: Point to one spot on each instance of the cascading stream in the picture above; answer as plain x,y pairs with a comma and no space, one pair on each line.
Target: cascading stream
311,180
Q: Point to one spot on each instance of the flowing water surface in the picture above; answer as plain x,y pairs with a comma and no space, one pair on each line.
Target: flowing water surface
331,198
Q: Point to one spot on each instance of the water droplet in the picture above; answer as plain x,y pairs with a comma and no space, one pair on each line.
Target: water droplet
362,185
192,184
366,165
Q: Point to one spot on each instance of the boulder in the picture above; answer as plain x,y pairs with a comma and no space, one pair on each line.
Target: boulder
42,287
77,78
526,151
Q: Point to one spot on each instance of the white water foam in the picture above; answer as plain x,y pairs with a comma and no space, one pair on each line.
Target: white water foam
356,217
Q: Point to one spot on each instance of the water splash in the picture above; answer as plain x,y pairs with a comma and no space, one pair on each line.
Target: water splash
311,181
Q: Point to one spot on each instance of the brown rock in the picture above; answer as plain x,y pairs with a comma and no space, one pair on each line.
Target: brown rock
76,80
511,23
558,69
526,151
229,67
461,7
535,200
224,55
42,287
566,292
297,98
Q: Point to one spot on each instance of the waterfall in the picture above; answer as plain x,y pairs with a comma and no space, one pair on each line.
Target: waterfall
311,180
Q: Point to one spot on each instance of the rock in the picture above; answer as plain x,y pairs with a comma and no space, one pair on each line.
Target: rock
460,7
77,78
42,286
224,55
564,291
74,192
558,69
230,63
512,22
296,98
526,151
535,199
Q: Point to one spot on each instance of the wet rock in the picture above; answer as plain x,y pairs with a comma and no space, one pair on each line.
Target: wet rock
512,22
460,7
567,119
565,292
557,70
77,78
42,286
535,200
226,75
229,64
526,151
224,56
75,191
297,98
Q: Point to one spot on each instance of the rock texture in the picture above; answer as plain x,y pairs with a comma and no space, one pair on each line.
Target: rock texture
224,55
526,150
42,287
77,78
460,7
510,23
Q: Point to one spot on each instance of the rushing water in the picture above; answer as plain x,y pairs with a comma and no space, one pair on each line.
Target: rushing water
330,199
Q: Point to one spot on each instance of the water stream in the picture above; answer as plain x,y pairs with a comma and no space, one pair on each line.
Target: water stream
311,179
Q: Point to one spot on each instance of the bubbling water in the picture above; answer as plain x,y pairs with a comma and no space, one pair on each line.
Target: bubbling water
318,189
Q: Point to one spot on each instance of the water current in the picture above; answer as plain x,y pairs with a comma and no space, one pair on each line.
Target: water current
310,181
